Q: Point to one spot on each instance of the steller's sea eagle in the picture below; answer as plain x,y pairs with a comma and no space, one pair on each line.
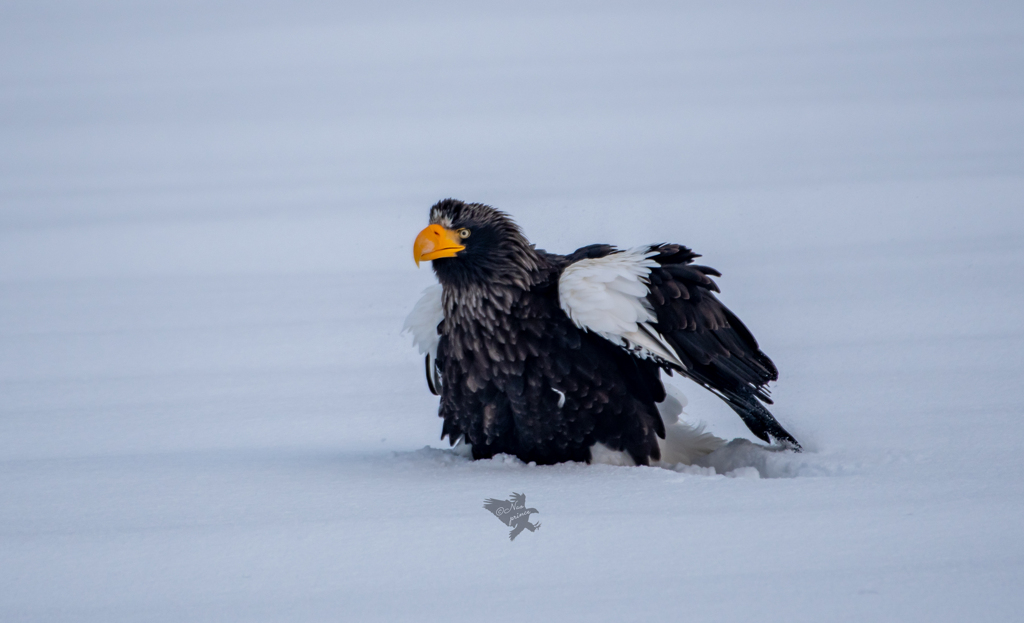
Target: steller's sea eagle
542,356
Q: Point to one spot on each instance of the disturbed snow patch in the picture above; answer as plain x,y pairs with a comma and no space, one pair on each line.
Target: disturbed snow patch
433,456
743,458
738,458
689,449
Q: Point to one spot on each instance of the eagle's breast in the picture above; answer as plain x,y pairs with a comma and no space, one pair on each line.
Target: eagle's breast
492,332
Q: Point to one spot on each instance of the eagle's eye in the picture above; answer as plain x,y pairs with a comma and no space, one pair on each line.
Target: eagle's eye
464,233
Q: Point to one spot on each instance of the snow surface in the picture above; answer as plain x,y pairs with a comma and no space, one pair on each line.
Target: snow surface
207,412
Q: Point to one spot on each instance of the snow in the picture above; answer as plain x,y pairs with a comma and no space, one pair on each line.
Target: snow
208,412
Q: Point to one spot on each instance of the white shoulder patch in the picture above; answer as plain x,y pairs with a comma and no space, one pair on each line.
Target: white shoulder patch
608,296
422,321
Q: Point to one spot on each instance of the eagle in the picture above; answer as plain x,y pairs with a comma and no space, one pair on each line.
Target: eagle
513,513
549,357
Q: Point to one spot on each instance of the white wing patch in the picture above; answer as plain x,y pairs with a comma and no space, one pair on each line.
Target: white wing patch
608,295
422,323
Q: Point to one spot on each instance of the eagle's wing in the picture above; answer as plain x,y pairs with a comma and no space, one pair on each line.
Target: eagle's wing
517,499
494,505
654,302
422,322
608,296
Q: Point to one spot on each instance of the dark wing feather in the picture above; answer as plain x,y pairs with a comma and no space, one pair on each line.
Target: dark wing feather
588,252
719,352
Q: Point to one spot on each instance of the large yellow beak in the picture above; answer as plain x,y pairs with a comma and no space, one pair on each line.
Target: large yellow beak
435,242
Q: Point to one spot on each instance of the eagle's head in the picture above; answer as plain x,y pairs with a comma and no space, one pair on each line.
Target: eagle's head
475,244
